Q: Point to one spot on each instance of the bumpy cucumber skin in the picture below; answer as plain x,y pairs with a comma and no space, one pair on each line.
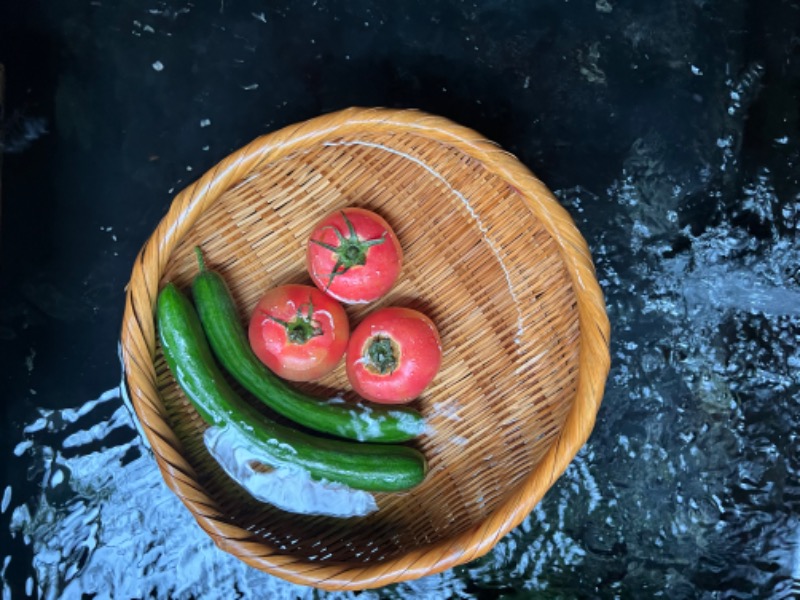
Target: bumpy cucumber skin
369,467
364,422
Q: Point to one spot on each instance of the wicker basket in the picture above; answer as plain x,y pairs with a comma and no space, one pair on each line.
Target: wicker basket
491,257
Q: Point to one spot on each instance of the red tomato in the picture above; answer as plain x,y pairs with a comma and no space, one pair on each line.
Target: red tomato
354,256
393,355
298,332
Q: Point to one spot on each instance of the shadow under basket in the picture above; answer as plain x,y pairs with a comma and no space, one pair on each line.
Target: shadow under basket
490,256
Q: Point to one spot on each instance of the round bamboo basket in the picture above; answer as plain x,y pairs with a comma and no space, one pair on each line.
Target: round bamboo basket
490,256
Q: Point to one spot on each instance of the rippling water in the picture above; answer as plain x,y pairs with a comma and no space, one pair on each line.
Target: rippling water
105,523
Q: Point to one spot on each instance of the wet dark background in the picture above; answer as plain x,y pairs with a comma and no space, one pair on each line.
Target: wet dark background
671,132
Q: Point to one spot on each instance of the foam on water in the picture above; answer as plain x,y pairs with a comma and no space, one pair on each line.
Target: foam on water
6,499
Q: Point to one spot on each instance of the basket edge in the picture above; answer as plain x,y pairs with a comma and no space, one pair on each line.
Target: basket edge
594,360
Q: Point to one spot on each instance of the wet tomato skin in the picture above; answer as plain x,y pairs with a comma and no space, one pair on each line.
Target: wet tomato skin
354,256
393,355
298,332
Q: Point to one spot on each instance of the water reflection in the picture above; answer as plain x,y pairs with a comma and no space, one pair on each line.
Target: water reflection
106,524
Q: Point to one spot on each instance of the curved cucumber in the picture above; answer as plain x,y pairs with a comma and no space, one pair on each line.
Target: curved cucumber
370,467
363,421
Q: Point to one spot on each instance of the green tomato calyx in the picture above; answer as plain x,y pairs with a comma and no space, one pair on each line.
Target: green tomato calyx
302,327
381,355
351,251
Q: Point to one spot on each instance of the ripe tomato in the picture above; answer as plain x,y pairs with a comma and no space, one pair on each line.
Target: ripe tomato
393,355
354,256
298,332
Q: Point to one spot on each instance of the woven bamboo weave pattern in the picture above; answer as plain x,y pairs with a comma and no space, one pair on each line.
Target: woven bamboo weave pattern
489,255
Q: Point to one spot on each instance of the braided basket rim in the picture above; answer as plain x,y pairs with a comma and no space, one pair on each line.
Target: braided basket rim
138,346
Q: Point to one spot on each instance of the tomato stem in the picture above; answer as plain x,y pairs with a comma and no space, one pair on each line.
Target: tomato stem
302,328
381,355
351,251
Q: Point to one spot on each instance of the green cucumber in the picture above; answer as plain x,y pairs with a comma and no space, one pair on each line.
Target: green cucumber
360,421
369,467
